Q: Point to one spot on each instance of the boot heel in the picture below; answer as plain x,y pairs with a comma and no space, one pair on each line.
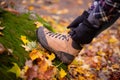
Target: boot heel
65,57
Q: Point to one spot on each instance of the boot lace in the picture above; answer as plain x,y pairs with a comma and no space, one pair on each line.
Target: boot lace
57,35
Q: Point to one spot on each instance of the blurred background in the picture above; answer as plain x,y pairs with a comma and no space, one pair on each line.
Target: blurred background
64,9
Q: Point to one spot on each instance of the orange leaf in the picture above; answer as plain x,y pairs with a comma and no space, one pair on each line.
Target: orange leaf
43,66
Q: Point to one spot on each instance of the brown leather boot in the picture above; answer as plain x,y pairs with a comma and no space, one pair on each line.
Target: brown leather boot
62,45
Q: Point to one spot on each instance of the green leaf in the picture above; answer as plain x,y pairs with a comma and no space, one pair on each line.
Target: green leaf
15,69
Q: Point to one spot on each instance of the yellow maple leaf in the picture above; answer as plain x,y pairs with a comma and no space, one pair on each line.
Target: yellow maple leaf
38,24
24,39
62,73
51,57
35,54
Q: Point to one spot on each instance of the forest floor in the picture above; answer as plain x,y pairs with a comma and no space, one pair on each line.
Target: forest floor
99,60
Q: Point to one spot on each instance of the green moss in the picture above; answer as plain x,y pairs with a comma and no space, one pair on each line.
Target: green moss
15,26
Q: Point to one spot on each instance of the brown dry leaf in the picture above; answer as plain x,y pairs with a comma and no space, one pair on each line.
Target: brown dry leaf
12,10
31,73
50,73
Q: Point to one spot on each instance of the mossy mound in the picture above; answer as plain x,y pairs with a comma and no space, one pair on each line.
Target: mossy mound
15,26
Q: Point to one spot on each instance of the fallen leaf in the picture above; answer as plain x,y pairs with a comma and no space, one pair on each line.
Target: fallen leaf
24,39
43,66
31,73
50,73
1,34
31,8
62,73
35,54
116,66
15,69
2,48
1,28
29,63
38,24
113,40
29,46
51,56
12,10
81,78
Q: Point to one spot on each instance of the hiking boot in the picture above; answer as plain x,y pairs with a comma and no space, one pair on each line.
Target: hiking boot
62,45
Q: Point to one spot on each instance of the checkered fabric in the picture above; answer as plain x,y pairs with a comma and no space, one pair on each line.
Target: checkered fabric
105,10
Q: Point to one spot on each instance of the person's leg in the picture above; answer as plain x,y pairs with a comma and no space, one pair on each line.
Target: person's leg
102,17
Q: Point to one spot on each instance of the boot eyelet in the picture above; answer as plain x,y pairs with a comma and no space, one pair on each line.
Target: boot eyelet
56,36
50,34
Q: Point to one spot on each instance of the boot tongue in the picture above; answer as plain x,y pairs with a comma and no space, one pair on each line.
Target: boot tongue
75,45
